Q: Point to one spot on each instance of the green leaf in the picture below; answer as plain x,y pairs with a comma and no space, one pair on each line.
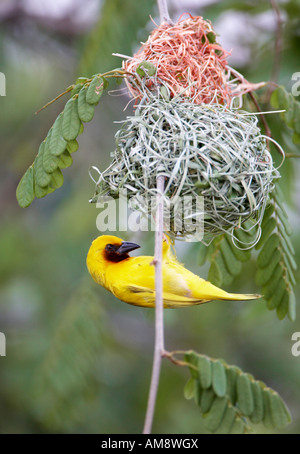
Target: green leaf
245,399
71,122
219,381
57,179
283,307
227,421
244,394
258,411
276,262
264,274
95,90
231,375
50,161
267,229
207,398
146,68
268,421
72,146
214,274
25,190
268,250
65,160
240,254
189,389
42,178
279,413
85,110
193,359
233,266
205,372
269,288
238,427
292,306
216,414
40,192
57,143
278,294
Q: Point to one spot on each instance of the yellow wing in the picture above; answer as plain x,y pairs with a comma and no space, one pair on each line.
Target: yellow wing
134,283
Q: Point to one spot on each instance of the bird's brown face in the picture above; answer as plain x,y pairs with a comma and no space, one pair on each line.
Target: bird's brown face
118,252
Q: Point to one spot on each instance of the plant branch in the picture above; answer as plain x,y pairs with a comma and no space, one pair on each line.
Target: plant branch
163,12
159,346
159,349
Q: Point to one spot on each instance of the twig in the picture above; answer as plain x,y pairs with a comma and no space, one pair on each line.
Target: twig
159,349
163,12
263,118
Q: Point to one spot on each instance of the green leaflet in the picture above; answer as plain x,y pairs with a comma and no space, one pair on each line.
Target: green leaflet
95,90
283,307
206,401
145,67
65,160
54,151
278,294
72,146
226,254
205,372
267,229
244,394
42,178
292,306
189,389
258,411
50,162
276,263
233,266
228,420
219,381
214,274
283,100
231,376
57,143
268,249
264,274
25,190
71,122
85,110
57,179
216,414
238,427
234,398
279,413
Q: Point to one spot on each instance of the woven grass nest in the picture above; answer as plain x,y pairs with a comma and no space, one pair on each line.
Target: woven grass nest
202,150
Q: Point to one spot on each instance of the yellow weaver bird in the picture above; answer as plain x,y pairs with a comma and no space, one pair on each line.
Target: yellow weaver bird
132,279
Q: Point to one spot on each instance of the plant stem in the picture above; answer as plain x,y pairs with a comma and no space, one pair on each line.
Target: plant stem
159,348
159,345
163,11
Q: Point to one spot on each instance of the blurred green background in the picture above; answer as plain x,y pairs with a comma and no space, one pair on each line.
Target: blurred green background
78,360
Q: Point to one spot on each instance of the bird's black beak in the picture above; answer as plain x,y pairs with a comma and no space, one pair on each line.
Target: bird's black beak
126,247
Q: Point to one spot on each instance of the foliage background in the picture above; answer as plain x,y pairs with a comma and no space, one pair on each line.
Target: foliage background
77,359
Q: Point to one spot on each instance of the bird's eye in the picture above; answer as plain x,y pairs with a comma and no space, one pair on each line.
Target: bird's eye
109,246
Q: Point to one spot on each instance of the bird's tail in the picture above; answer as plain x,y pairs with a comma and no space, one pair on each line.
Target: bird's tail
240,296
